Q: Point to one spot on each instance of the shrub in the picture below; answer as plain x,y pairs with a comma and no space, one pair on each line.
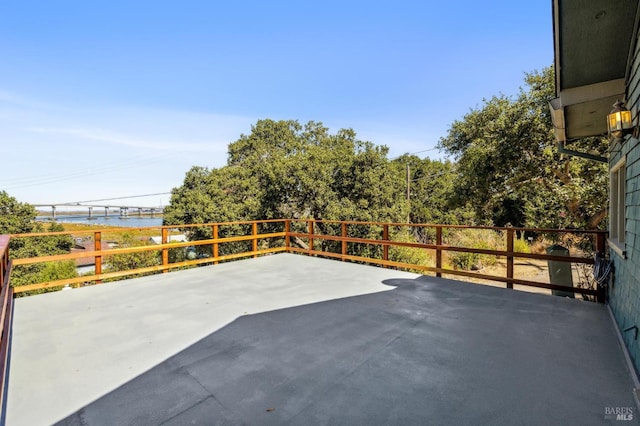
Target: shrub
465,261
521,245
129,261
412,255
479,239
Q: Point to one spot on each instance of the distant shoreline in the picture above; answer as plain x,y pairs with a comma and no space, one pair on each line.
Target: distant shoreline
84,213
133,220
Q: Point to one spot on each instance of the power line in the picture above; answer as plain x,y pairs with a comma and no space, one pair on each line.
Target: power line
413,153
424,150
78,173
119,198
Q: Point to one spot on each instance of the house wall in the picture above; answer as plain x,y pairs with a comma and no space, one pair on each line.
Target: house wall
624,289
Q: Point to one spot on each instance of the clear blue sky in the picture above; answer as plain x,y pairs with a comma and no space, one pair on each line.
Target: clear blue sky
103,99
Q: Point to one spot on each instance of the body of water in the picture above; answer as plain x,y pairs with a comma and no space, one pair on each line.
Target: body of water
111,220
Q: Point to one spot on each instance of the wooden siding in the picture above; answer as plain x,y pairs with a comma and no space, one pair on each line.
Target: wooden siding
624,290
633,84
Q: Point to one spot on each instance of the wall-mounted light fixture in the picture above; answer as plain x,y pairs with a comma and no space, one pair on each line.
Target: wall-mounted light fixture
619,121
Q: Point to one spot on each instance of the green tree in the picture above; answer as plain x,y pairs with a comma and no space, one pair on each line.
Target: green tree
128,261
431,184
283,169
54,271
16,217
19,218
510,169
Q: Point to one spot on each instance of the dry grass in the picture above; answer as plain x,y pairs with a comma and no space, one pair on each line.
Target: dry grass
109,232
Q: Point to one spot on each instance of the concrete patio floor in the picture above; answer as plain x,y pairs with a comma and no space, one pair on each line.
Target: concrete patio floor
290,339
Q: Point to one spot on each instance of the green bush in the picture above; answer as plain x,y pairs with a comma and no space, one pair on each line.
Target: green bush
465,261
42,272
129,261
521,245
412,255
486,239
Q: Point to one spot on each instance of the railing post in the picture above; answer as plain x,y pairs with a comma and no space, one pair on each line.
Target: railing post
601,297
287,235
4,260
344,242
385,247
439,250
97,246
6,313
214,249
510,236
3,263
165,251
601,242
254,241
310,232
7,304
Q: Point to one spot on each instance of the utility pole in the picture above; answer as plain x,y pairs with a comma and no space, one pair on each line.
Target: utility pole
409,193
408,183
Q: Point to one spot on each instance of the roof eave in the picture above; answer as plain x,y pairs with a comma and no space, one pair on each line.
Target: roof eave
596,41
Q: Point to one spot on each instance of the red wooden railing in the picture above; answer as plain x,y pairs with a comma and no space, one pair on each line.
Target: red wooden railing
100,255
440,248
6,311
309,230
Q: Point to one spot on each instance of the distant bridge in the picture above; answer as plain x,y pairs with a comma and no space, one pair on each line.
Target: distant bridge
123,211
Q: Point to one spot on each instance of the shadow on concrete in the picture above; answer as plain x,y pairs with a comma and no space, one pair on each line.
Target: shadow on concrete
430,351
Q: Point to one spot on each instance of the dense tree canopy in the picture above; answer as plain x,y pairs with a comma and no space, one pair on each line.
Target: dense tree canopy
19,218
16,217
284,169
510,169
431,186
507,170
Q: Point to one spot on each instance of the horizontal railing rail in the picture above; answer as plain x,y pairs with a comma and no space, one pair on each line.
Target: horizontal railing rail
101,255
307,229
286,240
439,247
